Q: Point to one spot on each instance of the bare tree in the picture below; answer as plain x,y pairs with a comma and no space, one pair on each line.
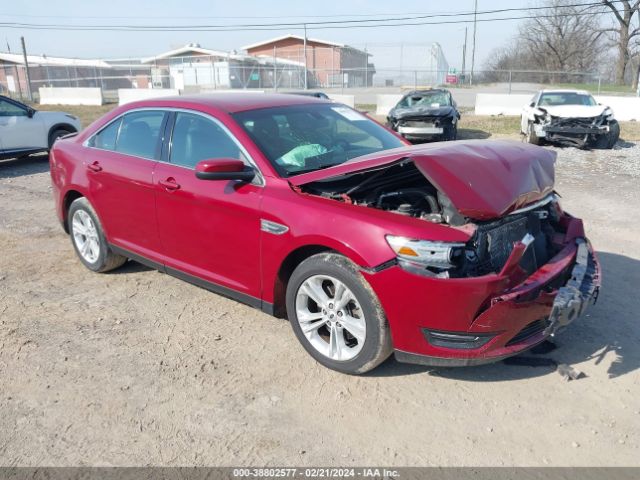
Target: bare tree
624,12
566,38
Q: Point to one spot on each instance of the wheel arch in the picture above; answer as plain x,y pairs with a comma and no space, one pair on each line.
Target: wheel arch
69,197
288,265
59,126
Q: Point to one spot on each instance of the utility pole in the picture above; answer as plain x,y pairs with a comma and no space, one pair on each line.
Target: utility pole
473,50
305,57
26,70
366,66
464,51
275,69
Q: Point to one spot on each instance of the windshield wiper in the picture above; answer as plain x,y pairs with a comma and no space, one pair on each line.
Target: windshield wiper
309,170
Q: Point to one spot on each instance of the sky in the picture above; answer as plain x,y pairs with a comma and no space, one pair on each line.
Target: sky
383,43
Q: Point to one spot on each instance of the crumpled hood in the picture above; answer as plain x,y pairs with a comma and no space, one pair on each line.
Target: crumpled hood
484,179
575,111
404,112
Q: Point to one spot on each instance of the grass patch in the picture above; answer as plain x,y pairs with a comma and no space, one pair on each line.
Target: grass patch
366,107
593,88
86,114
486,126
630,131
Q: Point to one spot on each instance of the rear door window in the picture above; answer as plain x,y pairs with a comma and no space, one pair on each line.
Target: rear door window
106,138
140,134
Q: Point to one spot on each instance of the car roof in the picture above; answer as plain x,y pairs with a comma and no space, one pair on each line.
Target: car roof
234,102
426,90
581,92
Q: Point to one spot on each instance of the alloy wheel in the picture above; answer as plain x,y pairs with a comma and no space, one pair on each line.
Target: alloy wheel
85,236
330,317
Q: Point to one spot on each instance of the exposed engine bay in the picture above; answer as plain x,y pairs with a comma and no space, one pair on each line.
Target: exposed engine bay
402,189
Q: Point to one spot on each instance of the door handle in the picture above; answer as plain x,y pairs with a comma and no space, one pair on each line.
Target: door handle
94,167
170,184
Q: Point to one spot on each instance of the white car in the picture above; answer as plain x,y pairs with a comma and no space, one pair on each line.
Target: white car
25,130
569,118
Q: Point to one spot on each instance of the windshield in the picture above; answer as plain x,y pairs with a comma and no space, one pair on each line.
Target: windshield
303,138
426,99
552,99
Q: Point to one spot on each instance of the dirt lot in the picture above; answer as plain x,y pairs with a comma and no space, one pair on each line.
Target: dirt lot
138,368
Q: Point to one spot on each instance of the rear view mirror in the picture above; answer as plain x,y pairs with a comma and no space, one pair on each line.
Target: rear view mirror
224,169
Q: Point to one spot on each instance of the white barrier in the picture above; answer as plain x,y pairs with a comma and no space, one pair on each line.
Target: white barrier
624,108
349,100
232,90
70,96
500,104
128,95
384,103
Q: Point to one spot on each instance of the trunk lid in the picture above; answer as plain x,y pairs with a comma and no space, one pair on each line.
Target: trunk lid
483,179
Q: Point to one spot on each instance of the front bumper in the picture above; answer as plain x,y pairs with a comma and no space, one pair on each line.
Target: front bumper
576,130
487,317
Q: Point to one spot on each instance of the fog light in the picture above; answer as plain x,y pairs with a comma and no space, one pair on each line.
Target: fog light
460,341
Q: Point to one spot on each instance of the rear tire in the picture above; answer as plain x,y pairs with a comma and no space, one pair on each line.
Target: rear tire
87,237
346,329
56,134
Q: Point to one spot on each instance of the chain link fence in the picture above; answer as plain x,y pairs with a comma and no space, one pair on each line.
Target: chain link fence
346,70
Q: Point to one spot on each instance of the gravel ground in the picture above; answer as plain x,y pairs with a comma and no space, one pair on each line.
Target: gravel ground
138,368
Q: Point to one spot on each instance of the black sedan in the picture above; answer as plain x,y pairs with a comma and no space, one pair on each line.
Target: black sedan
425,115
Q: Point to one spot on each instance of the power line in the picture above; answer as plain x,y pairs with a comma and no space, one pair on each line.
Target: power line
245,29
343,15
333,24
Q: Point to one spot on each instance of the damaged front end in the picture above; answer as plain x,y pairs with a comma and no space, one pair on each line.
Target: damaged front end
525,271
582,132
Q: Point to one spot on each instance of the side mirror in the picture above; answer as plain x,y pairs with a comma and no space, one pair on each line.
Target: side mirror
532,104
30,112
224,169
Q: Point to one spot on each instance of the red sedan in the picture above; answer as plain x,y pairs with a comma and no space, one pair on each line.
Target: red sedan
453,253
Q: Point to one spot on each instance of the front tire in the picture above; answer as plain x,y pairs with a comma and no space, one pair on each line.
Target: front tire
336,316
532,138
87,237
451,133
614,134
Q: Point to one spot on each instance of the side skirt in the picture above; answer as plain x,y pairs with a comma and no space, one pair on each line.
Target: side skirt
254,302
20,152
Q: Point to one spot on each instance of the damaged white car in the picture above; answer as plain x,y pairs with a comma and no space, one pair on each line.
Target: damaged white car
569,118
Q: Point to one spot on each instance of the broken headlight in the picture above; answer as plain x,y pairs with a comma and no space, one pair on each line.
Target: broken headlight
542,117
608,114
426,257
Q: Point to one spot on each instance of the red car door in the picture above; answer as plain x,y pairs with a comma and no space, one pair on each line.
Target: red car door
209,229
120,164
